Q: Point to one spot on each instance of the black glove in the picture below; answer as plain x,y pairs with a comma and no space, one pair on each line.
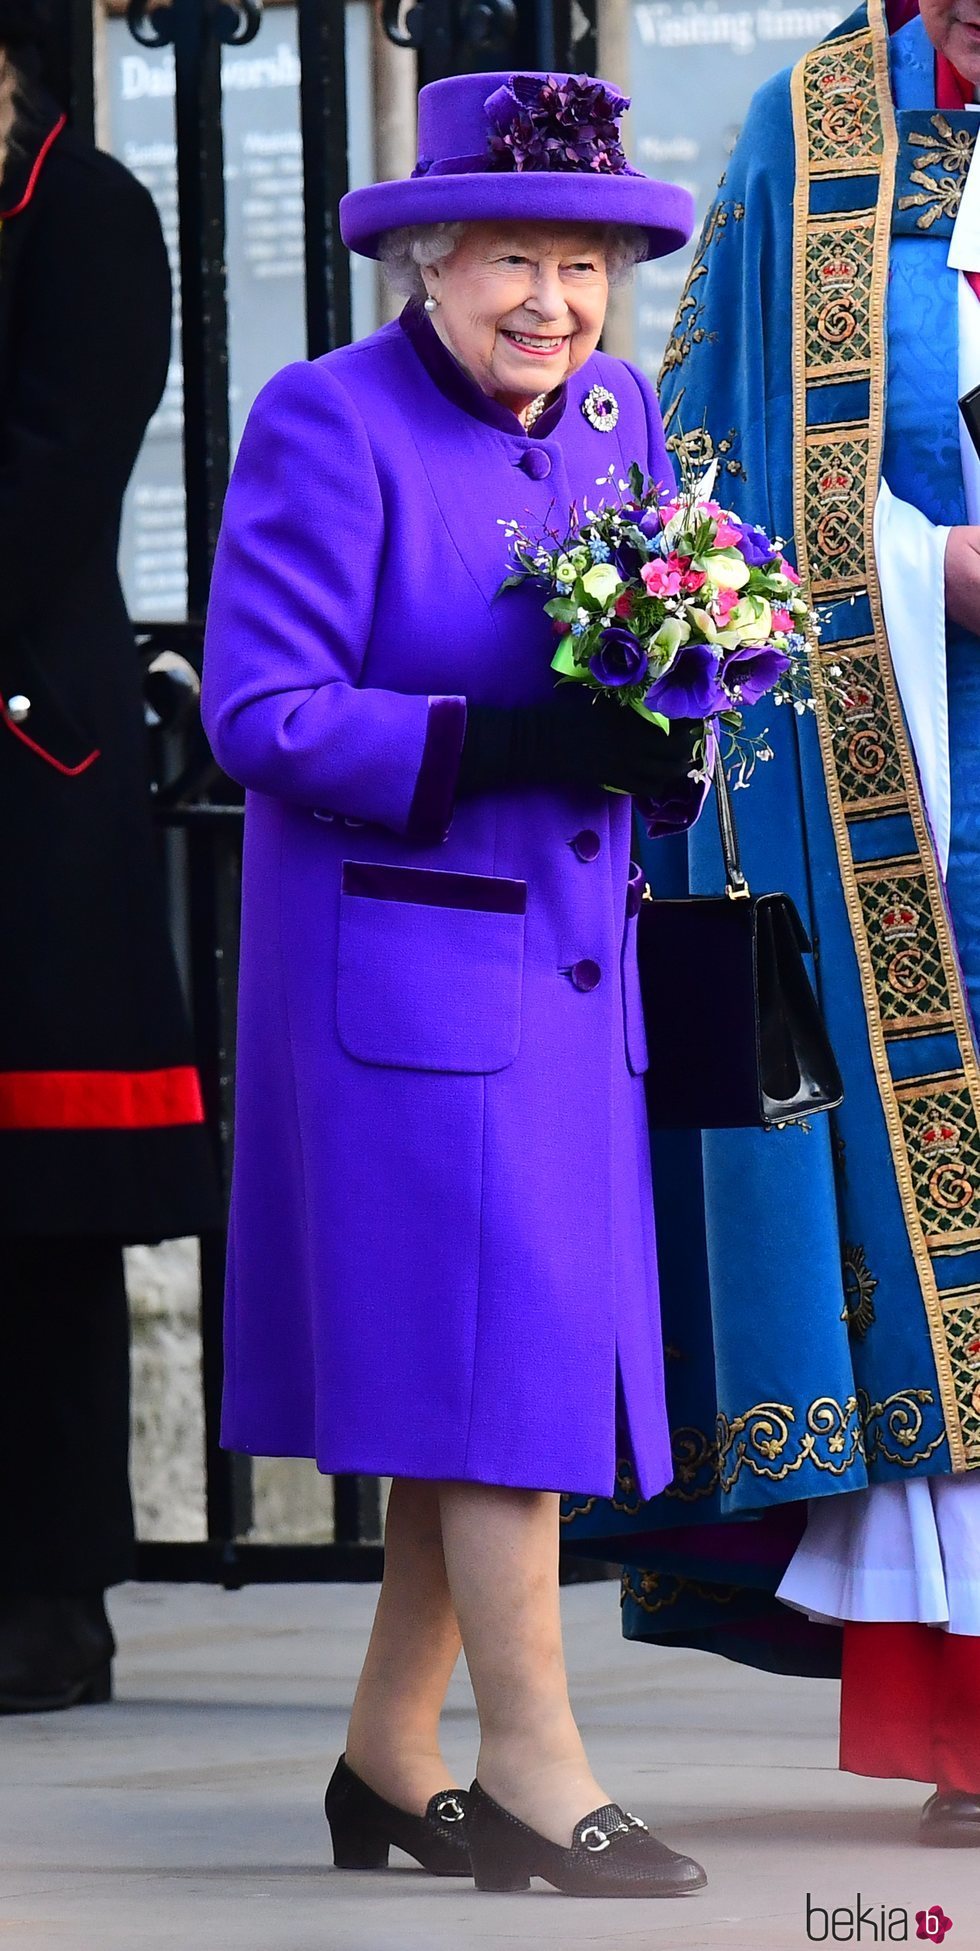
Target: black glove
577,738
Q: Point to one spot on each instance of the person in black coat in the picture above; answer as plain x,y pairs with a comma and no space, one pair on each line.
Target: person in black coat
101,1124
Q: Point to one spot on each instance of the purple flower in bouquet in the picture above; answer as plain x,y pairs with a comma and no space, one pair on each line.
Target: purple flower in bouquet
651,524
692,687
545,124
620,659
755,547
753,669
628,560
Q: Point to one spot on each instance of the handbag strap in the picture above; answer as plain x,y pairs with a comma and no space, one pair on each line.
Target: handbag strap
736,885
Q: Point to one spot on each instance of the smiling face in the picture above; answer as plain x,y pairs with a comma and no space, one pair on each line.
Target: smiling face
953,26
521,308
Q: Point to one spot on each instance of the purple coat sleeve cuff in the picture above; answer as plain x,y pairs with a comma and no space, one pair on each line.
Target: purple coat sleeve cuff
676,810
431,811
682,804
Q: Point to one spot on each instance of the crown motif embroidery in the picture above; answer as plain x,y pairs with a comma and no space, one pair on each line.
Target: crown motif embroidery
858,701
835,482
939,1137
837,81
838,271
898,918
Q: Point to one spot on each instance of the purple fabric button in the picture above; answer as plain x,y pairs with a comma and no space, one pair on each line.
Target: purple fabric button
536,463
587,844
586,975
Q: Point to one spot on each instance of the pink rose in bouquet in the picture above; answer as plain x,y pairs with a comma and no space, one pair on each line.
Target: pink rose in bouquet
676,609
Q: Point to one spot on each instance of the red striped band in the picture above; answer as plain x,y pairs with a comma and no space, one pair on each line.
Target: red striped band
99,1100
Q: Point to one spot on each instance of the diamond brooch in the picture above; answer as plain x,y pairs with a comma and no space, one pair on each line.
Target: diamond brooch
601,409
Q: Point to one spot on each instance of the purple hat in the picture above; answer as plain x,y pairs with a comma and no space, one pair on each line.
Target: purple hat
526,147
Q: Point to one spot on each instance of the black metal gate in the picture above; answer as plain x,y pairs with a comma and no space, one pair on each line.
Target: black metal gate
440,37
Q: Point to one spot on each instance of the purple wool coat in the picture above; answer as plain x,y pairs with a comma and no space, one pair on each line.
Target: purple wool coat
442,1247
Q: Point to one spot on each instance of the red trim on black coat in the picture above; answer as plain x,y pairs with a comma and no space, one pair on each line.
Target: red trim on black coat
99,1100
70,771
36,167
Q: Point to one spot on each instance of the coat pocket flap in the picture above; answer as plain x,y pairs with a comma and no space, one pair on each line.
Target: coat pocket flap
429,984
430,887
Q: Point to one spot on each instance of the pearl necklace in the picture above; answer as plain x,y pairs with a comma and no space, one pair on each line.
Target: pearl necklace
533,412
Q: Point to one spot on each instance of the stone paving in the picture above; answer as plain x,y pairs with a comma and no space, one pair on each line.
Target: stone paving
188,1815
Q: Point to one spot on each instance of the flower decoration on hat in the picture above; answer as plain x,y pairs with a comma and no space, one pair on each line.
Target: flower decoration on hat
517,147
571,124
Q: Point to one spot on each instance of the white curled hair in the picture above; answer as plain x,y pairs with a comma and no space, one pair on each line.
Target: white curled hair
405,253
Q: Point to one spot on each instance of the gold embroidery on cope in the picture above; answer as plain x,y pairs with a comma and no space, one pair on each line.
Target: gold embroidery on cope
830,1436
844,123
688,328
695,1457
625,1498
836,464
696,450
833,1434
961,1307
759,1439
943,1145
839,259
898,1420
657,1591
842,135
868,766
913,992
939,196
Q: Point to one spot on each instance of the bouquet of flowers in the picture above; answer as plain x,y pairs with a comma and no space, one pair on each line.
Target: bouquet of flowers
675,608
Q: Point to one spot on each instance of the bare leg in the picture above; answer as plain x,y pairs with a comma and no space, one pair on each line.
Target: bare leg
393,1737
501,1554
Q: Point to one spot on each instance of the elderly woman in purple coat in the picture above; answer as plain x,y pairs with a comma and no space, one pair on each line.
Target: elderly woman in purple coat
441,1263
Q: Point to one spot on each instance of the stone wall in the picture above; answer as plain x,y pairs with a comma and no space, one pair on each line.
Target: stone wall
292,1500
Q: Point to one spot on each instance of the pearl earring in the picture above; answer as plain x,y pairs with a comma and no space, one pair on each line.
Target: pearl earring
431,304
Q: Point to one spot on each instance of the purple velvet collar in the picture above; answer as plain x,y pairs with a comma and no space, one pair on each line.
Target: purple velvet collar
456,385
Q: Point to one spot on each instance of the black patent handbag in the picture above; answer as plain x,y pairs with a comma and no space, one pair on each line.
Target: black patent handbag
735,1033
